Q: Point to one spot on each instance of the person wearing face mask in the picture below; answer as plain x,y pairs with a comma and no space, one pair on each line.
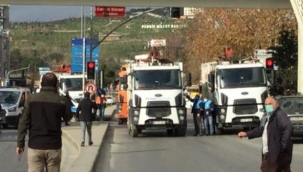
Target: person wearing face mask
276,135
207,113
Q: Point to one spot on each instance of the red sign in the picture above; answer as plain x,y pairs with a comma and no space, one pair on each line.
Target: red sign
91,87
107,11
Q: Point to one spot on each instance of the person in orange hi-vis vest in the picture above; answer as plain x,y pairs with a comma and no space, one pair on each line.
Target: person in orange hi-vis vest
101,103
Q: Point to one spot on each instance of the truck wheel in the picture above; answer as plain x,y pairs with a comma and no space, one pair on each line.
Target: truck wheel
4,126
170,132
120,121
218,130
134,131
181,132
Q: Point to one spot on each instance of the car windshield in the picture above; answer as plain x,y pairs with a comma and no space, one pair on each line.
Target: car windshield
157,79
9,97
243,77
291,105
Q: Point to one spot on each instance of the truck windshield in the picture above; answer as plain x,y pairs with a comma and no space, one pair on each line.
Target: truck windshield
9,97
72,84
242,77
157,79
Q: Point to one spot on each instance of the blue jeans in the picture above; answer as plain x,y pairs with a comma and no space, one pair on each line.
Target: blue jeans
101,113
208,124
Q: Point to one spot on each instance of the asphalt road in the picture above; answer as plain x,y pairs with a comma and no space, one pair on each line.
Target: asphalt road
9,161
152,152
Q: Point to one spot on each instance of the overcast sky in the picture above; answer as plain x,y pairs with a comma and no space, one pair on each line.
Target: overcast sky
45,13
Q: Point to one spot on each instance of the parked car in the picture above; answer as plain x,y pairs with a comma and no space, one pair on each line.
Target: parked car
293,107
110,100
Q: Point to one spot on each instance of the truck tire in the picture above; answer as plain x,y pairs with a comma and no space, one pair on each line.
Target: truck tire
181,132
170,132
120,121
218,130
134,131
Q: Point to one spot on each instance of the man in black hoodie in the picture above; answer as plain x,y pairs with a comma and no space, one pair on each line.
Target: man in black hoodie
276,138
86,117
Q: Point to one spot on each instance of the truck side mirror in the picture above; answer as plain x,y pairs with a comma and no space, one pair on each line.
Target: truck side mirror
64,89
21,103
188,79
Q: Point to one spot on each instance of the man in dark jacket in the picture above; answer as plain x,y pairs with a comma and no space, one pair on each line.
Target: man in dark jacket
86,107
42,117
196,113
276,138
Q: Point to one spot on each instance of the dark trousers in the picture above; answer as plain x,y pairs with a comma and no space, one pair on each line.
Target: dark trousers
282,164
197,121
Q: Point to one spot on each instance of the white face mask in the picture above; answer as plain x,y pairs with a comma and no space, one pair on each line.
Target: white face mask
102,95
205,100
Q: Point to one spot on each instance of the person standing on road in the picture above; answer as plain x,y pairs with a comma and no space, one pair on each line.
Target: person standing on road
276,135
196,109
42,117
86,106
69,102
101,103
208,111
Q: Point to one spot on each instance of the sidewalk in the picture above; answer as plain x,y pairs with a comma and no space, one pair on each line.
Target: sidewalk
87,154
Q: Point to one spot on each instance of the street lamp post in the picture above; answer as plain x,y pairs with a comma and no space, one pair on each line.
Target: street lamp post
8,73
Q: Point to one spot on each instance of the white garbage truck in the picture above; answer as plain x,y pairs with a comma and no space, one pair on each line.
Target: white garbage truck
155,97
238,90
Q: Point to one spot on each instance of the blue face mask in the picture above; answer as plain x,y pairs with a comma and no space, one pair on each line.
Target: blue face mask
269,109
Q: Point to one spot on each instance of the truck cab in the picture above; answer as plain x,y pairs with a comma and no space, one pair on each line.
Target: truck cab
155,98
12,102
238,92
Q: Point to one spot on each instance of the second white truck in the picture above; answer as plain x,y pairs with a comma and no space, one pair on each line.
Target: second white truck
238,90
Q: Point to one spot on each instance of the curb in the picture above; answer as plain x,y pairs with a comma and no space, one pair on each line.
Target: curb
94,166
73,141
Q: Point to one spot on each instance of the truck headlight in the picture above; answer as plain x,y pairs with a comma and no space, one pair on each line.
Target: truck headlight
181,118
136,112
222,117
12,109
181,112
136,118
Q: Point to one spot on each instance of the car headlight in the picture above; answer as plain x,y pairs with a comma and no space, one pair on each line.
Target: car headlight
12,109
136,112
181,112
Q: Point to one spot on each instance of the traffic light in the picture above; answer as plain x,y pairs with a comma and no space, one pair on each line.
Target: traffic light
90,70
175,12
269,64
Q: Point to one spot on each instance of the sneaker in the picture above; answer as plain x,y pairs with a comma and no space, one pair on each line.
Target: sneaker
90,143
82,144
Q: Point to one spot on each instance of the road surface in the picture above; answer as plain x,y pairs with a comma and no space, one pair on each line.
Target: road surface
152,152
9,161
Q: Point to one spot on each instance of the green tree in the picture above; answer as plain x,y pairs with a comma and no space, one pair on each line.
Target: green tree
285,55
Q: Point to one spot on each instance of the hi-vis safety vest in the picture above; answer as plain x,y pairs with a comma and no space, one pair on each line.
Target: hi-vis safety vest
98,100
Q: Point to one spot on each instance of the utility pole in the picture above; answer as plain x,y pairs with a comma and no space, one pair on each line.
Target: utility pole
4,41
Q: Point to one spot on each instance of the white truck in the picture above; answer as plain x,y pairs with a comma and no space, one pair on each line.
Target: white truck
155,97
237,90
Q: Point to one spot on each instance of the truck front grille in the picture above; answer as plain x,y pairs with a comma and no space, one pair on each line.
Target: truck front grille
158,109
245,106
